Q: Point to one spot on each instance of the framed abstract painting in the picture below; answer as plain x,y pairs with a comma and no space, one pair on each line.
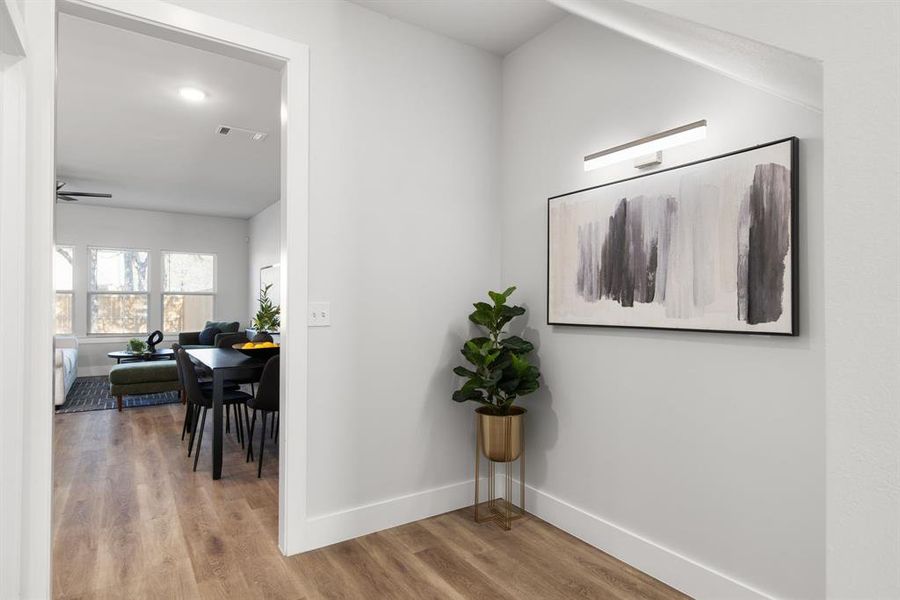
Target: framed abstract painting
705,246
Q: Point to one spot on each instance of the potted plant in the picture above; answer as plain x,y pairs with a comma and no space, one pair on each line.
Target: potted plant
500,373
268,317
136,346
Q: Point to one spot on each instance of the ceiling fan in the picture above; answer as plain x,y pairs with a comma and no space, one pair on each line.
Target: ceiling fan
74,196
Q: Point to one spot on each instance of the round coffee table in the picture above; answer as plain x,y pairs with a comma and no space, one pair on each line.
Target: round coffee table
124,355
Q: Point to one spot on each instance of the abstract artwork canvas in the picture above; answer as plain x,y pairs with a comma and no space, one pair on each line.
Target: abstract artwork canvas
707,246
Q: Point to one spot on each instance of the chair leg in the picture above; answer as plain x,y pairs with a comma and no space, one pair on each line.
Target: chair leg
250,439
200,438
187,419
262,445
247,428
119,403
277,424
272,432
238,426
194,419
227,418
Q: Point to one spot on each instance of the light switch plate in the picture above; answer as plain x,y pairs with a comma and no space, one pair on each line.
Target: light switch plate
319,314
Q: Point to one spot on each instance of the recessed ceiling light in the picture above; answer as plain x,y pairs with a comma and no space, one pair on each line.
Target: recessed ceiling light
192,94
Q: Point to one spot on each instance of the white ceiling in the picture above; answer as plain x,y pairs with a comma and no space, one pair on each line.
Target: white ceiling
498,26
124,129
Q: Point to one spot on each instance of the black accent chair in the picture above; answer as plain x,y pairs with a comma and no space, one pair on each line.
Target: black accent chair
202,402
266,401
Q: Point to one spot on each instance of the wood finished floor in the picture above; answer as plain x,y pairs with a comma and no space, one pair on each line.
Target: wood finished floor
131,520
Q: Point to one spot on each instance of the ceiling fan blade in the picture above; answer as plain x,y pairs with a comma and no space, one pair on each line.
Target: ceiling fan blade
66,197
89,194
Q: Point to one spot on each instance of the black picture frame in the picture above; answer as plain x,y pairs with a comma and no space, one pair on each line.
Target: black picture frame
795,243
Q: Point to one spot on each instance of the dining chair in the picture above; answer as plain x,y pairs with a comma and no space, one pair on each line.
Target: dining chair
265,401
228,341
202,401
206,387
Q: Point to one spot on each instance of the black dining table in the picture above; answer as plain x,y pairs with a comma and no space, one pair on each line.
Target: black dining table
224,363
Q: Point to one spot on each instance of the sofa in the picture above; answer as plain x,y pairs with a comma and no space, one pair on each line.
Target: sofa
65,366
191,339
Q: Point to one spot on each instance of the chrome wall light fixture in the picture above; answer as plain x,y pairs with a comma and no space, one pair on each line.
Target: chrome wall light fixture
652,145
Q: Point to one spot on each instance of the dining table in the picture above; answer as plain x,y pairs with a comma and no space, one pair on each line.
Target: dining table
223,363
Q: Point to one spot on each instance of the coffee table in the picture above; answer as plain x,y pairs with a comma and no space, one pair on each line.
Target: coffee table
124,355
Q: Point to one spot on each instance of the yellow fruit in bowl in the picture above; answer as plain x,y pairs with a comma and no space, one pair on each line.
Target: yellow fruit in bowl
247,346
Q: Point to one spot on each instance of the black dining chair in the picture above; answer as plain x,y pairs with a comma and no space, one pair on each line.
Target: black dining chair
202,402
265,401
206,388
228,341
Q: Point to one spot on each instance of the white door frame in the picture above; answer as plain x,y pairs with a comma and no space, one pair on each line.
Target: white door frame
12,297
179,24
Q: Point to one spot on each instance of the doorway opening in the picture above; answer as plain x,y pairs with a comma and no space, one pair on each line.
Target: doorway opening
180,209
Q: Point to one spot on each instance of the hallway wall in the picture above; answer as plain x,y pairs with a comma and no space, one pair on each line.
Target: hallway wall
701,447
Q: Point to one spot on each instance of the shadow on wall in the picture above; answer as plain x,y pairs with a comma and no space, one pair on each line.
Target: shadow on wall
441,417
541,423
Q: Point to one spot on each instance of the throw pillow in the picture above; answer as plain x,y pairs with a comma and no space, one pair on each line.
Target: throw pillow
208,336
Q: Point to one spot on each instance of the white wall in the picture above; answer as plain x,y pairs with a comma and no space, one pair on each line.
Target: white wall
84,226
264,249
709,445
859,44
404,235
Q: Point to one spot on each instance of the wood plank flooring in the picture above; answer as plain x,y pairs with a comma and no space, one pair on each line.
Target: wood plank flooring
131,520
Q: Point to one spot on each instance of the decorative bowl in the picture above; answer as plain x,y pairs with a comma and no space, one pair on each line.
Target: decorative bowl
260,353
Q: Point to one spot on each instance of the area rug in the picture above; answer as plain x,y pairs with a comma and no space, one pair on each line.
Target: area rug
92,393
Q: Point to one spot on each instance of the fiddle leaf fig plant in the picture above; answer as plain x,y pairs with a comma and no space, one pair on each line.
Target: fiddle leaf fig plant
500,371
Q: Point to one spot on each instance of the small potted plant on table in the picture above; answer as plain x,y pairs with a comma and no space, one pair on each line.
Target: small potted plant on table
267,319
137,346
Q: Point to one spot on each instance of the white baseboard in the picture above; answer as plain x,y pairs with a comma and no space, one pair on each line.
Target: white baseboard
354,522
94,371
680,572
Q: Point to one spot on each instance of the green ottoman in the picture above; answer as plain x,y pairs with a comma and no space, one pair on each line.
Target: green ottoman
143,378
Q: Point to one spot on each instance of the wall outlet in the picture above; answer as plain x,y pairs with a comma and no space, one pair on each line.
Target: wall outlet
319,314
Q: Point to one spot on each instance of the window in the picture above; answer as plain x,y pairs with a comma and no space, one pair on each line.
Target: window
63,277
118,291
189,290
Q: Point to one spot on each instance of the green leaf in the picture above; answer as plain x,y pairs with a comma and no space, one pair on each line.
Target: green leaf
509,292
517,344
519,365
465,395
497,297
464,372
513,311
527,387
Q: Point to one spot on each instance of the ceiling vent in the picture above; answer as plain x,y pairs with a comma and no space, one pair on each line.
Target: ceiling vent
255,136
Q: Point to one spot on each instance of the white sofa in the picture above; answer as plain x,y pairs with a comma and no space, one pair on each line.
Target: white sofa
65,366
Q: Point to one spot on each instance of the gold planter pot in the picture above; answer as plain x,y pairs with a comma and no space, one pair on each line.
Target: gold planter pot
501,435
500,439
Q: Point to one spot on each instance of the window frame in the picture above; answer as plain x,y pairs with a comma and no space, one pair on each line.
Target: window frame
90,293
164,292
70,292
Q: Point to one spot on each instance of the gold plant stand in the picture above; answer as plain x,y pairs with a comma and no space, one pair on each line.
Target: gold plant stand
500,439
